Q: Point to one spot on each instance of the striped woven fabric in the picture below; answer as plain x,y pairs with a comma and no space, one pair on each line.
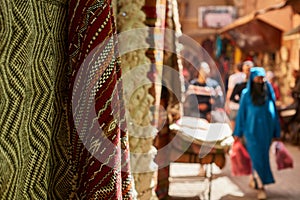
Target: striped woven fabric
98,131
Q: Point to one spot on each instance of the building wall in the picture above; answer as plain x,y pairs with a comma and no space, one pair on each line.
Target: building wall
191,6
188,10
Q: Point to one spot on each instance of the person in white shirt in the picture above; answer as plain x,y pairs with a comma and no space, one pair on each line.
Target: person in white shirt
238,80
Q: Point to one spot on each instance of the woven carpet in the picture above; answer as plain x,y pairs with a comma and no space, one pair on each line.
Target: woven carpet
99,140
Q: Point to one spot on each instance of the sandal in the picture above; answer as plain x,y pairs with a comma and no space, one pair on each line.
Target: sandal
261,194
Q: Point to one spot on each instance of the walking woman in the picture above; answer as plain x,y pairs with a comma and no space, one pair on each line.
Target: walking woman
258,123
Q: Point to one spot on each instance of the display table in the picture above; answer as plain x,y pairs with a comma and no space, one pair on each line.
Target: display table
194,140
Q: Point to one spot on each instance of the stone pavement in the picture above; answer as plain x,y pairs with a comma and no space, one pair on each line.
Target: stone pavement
186,184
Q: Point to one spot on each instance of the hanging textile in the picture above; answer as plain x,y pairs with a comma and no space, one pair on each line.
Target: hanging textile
33,139
99,138
218,46
237,55
39,157
171,95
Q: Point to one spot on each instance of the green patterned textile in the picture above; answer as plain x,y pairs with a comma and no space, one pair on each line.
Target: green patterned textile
33,132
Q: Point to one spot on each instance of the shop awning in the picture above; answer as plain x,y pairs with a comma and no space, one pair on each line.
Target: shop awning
261,30
254,35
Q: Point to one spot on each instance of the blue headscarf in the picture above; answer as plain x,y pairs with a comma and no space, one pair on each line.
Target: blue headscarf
259,71
256,71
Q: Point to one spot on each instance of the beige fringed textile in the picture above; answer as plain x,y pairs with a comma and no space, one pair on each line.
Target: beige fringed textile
135,67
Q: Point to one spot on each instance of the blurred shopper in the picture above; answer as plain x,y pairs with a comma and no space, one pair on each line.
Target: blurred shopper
258,123
236,83
271,78
237,77
187,78
295,91
202,94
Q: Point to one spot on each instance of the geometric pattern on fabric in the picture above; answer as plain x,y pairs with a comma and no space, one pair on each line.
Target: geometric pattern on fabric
100,150
33,64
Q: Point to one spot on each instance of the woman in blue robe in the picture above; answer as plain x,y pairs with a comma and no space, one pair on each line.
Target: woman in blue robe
258,123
